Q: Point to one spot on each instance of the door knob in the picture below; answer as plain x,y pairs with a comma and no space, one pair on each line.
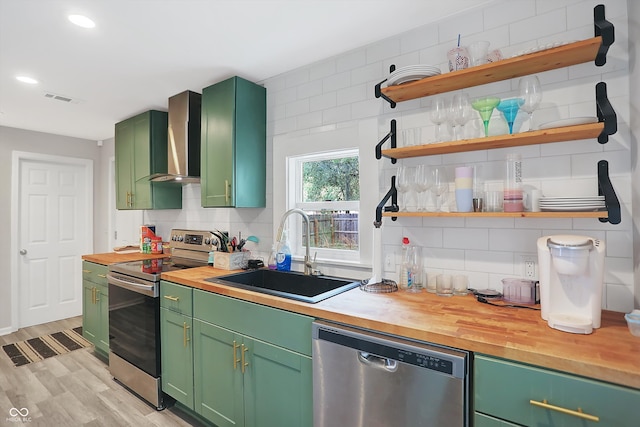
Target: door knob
23,251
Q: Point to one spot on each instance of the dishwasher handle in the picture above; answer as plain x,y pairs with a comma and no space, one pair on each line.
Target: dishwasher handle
372,360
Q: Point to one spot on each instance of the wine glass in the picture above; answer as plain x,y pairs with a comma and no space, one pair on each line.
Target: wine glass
484,107
423,184
440,185
403,185
509,109
531,93
461,113
438,116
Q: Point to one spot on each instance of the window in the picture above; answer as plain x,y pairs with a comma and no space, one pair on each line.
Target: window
330,143
327,187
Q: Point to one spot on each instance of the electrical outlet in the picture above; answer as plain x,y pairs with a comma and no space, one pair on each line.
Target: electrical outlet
388,263
529,266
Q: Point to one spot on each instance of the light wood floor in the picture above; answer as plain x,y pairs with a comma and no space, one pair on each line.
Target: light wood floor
73,389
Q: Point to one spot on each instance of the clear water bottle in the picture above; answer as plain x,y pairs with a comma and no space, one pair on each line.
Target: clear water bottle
405,266
513,184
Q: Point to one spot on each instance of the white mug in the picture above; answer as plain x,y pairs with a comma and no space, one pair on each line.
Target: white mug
531,199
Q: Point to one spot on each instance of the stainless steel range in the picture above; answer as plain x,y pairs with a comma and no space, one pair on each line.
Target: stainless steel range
134,312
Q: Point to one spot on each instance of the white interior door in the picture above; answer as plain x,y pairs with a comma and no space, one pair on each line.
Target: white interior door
54,222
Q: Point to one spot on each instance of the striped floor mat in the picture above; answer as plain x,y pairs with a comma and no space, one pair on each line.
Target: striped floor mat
36,349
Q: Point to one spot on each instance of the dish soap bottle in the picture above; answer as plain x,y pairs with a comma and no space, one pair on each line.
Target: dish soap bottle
283,257
271,263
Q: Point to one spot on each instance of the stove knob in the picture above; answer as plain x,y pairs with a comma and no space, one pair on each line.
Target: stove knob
207,241
180,238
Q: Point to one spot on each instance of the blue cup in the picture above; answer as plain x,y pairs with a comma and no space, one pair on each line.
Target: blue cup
464,200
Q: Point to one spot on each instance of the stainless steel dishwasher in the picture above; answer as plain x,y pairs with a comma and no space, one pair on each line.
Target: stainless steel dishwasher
365,379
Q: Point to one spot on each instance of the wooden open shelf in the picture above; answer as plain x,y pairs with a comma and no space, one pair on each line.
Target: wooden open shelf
566,133
554,214
550,59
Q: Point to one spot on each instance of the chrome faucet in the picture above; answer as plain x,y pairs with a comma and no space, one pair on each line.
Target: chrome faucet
308,265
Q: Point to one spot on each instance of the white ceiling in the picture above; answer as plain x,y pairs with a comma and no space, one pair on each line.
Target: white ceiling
143,51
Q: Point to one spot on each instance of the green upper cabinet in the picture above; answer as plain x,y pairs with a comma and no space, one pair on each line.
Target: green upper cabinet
233,124
141,150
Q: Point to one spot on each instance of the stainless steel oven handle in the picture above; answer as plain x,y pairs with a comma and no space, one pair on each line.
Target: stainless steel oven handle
132,285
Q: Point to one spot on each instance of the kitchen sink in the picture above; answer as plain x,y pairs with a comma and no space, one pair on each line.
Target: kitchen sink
287,284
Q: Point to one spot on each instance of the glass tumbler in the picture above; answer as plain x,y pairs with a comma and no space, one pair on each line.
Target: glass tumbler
444,285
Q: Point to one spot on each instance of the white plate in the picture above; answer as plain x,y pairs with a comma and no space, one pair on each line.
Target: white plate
573,121
572,208
409,76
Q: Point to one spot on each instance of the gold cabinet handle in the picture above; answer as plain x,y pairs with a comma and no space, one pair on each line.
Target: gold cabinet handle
96,294
578,413
226,191
171,298
235,360
128,199
103,276
185,327
86,271
244,364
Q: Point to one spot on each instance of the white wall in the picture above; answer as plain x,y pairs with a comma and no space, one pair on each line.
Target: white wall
17,139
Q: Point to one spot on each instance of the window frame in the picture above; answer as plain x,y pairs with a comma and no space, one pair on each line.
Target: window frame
295,194
359,135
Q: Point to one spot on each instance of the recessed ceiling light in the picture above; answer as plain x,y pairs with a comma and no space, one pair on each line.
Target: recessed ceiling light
26,79
82,21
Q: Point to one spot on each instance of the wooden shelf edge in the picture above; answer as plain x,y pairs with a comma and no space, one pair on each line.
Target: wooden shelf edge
550,59
566,133
592,214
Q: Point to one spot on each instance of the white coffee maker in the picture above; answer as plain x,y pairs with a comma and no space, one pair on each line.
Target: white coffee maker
571,275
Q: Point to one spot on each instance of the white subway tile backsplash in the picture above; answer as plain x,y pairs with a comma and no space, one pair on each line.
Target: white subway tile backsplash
336,81
323,101
618,271
383,49
489,261
619,298
368,73
466,238
297,107
515,240
505,13
538,26
352,94
418,38
351,60
297,78
310,89
323,69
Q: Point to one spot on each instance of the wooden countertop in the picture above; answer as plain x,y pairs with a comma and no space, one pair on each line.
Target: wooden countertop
115,257
610,353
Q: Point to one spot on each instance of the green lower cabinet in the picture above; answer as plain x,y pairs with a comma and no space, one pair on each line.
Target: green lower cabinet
95,306
278,387
241,381
177,356
217,369
533,396
481,420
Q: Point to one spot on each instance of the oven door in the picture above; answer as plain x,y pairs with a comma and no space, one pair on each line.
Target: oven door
134,321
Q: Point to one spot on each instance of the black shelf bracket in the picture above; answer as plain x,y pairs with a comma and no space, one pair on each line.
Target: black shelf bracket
605,113
606,189
393,195
391,135
603,28
378,90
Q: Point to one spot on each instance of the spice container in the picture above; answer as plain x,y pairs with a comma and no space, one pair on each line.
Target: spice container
520,291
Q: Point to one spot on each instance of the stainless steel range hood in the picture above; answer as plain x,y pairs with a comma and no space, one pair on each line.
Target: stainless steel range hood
183,141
